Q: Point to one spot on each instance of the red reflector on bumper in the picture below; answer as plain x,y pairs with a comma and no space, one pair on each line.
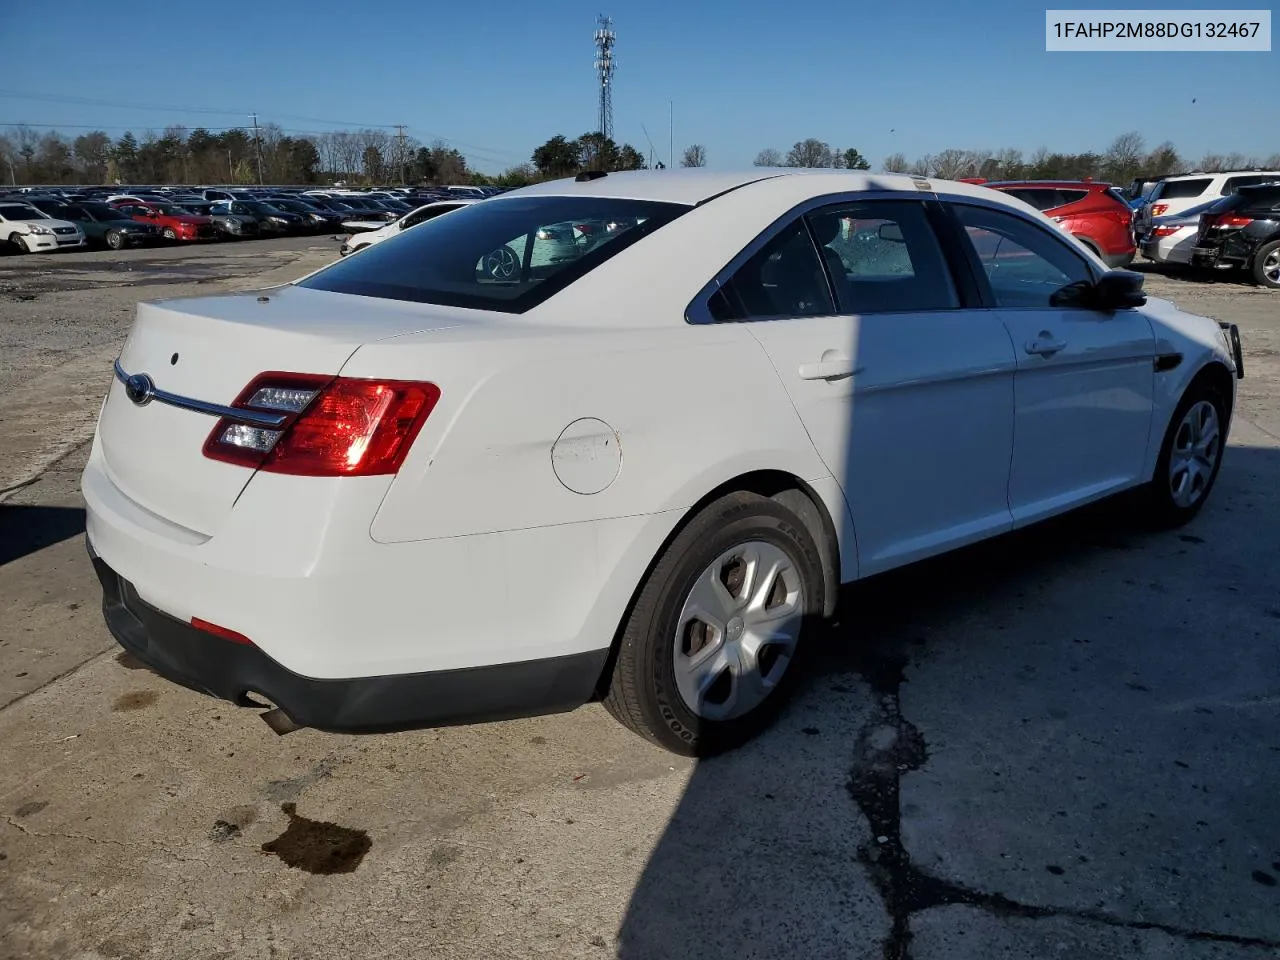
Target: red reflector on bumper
223,632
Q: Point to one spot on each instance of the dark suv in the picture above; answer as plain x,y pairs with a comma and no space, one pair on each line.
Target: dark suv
1243,231
1096,214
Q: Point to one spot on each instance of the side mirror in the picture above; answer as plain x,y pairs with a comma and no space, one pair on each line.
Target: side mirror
891,232
1114,290
1119,290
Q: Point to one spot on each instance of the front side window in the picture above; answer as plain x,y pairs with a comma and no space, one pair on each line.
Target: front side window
1025,263
17,212
884,257
508,255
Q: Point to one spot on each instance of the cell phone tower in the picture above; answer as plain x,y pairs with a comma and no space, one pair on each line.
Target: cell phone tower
605,39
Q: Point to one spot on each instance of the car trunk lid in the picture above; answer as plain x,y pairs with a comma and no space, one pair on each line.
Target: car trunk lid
206,350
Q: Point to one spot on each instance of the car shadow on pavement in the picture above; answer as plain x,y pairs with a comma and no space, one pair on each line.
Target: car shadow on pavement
27,529
1073,724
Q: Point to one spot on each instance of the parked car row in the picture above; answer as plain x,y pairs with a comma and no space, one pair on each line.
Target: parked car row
41,221
1216,221
1219,221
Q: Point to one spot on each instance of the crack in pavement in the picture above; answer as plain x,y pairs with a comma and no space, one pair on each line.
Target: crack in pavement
105,841
889,746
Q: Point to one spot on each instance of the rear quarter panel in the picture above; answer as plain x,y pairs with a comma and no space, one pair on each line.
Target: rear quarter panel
690,407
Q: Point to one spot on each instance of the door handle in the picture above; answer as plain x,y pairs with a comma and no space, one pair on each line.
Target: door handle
1044,345
834,369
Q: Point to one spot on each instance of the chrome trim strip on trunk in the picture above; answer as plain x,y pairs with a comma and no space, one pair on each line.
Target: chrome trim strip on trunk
252,418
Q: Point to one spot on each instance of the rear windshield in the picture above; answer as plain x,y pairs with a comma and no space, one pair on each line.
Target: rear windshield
1180,189
508,255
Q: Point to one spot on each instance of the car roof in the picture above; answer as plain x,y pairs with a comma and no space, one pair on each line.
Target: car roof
697,185
1052,184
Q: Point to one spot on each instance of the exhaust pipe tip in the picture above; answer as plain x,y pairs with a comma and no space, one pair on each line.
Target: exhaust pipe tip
280,722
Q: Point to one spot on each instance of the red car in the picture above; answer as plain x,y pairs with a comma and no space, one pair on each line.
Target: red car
1096,214
173,221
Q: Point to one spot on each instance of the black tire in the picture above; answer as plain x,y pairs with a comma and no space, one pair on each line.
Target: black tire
1266,265
643,693
115,240
1161,508
20,243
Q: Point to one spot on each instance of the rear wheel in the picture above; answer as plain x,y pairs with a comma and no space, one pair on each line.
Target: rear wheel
115,239
1189,458
170,233
709,651
1266,265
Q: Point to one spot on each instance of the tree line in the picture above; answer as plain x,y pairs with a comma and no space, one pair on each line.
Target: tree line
180,155
1125,159
374,156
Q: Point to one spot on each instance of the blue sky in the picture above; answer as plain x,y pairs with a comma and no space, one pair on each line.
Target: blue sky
499,78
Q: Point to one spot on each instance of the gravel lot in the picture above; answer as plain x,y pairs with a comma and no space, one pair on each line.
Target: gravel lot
1063,744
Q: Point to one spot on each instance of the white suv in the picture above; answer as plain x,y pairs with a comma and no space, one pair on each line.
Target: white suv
1173,195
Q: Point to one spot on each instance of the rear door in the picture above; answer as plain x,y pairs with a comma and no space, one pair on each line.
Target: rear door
907,396
1085,379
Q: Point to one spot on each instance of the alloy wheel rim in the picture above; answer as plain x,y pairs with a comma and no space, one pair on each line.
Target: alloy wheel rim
1271,266
738,630
1197,445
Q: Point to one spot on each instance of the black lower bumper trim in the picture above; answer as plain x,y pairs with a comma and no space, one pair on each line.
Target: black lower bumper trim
236,672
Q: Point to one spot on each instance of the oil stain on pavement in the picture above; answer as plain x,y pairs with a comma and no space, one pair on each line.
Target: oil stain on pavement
137,700
318,847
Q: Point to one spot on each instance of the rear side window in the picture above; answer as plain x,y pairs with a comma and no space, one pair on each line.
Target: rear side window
1069,196
883,257
1180,189
507,255
1039,197
783,279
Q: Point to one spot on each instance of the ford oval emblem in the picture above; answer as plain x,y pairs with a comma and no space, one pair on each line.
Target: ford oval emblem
140,389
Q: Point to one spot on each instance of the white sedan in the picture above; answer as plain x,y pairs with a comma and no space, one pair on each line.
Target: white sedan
1171,239
432,485
369,232
30,230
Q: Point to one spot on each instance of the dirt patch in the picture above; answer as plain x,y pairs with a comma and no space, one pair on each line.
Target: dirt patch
136,700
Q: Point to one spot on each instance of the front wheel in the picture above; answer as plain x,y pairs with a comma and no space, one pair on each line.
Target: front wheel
170,233
1266,265
1190,457
115,239
20,242
709,650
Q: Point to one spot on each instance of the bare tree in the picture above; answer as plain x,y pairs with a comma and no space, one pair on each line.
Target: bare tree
1162,161
1008,164
1124,158
922,166
950,164
1212,163
694,156
768,157
1273,162
896,163
811,152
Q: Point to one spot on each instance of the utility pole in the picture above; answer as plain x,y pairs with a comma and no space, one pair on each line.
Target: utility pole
257,146
404,180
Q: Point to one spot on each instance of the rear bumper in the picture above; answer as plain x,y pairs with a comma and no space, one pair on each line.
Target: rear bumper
235,672
1118,261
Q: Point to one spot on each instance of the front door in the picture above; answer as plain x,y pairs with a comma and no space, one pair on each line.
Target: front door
907,397
1085,380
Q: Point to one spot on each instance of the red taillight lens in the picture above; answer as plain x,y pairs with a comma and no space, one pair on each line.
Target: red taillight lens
1230,220
334,427
1158,209
1164,231
217,631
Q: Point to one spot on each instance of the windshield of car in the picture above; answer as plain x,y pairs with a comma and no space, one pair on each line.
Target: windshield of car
19,212
170,210
507,255
103,211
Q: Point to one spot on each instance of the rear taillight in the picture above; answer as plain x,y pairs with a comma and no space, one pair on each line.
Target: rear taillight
1164,231
1230,220
331,426
1158,209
